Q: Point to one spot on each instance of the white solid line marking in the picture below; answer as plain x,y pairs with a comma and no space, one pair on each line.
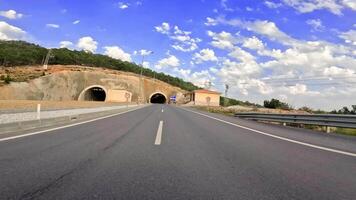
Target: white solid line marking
278,137
159,133
66,126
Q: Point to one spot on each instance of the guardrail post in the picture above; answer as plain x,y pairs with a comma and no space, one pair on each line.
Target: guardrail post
38,111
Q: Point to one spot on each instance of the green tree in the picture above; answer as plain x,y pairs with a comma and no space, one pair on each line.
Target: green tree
275,103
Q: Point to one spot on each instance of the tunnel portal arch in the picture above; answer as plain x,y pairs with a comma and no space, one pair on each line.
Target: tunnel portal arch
93,93
158,97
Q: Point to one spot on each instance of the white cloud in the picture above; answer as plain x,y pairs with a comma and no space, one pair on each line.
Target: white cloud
182,39
52,25
242,55
272,5
117,53
253,43
76,21
298,89
11,14
87,44
333,70
164,28
316,24
65,44
222,40
143,52
198,78
146,64
210,22
249,9
9,32
268,29
170,61
123,5
334,6
349,3
262,27
300,70
204,55
223,4
349,37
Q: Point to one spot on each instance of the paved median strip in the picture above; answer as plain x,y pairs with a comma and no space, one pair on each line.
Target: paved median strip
159,134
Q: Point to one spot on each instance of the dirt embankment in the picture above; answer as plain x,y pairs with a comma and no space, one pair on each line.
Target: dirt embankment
66,83
27,73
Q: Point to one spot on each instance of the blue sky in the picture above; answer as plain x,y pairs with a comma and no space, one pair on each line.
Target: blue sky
293,50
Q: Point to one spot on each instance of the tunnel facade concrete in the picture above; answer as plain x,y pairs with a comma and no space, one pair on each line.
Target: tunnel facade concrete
80,85
93,93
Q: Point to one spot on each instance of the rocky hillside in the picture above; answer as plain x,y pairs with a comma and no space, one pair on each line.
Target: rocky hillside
19,53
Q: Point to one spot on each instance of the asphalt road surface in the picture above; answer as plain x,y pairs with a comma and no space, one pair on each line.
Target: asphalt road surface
167,152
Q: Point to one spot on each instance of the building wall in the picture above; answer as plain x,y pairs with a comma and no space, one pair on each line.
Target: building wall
118,96
201,99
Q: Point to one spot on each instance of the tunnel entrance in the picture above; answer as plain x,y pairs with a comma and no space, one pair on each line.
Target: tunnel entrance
158,98
94,93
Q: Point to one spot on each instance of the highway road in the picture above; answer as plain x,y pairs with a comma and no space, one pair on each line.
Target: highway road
168,152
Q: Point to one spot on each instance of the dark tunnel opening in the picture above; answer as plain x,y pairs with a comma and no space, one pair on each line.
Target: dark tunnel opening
158,98
95,94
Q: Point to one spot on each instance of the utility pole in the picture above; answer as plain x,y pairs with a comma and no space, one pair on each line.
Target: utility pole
208,84
141,97
45,64
226,101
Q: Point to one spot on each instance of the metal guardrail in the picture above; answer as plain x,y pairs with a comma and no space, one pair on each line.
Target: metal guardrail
328,120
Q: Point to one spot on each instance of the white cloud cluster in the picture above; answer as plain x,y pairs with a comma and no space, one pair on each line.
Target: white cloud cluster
182,39
11,14
205,55
253,43
316,24
333,70
349,37
164,28
272,4
9,32
222,40
117,53
334,6
88,44
170,61
287,69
